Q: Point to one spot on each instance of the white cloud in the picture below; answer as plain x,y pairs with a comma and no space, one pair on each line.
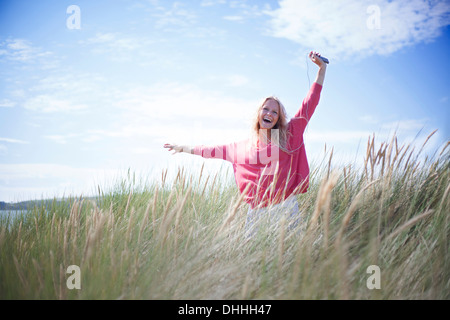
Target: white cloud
69,84
6,103
65,93
342,29
164,112
369,119
405,128
337,136
33,181
233,18
48,103
111,42
411,126
178,16
147,116
209,3
19,50
237,80
61,139
171,101
13,140
22,50
127,48
350,145
118,47
142,151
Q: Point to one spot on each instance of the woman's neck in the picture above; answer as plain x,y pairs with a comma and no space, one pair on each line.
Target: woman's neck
264,138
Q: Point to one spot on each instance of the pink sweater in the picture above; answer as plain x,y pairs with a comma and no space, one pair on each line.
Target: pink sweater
268,175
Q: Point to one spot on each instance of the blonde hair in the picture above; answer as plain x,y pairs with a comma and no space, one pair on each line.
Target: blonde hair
281,135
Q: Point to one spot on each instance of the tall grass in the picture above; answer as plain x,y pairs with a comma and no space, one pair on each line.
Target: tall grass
186,239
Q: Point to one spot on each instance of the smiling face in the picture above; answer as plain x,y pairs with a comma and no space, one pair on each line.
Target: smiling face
269,114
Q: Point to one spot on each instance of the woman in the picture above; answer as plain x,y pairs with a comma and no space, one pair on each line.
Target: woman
271,167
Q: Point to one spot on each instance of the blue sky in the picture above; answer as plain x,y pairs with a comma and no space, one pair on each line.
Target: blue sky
79,106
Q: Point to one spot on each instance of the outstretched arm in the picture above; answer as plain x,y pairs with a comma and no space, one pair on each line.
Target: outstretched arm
226,152
177,148
315,57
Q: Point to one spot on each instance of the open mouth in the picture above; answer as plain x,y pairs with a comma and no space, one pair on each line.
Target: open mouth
268,121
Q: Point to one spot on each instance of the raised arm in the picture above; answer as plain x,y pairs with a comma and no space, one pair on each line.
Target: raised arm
312,98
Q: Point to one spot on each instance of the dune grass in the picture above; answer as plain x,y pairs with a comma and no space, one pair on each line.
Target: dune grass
185,239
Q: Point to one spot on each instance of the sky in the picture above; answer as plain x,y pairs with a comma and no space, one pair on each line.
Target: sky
91,90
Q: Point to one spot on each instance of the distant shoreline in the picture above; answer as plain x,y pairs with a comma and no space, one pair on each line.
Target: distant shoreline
29,204
23,205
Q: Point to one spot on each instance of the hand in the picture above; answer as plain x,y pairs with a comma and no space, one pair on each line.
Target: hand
174,147
315,57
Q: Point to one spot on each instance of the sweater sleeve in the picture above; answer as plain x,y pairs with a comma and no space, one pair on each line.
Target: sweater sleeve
236,152
223,152
310,102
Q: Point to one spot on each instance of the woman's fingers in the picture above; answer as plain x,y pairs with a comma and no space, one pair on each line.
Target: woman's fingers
315,57
172,147
169,146
314,54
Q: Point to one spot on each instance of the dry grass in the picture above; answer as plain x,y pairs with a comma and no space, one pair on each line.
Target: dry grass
186,239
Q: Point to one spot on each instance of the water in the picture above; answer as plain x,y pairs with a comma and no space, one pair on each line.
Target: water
7,217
